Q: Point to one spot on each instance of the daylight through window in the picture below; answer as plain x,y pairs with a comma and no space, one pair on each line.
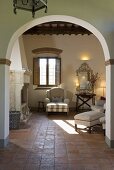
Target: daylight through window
47,71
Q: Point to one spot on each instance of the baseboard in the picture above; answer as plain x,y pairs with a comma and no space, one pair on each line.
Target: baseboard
109,142
4,142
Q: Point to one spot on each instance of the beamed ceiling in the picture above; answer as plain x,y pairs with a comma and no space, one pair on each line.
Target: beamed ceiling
57,27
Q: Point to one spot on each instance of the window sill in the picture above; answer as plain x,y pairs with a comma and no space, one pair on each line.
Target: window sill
44,88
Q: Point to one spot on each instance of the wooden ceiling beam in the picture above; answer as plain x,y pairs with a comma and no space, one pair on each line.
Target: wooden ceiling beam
58,28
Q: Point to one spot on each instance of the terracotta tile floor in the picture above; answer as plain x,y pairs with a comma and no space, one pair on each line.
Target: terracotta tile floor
50,143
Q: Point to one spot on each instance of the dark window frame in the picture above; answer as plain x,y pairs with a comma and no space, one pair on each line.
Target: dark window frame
36,74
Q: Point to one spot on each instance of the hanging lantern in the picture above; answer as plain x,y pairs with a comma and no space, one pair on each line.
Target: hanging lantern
30,5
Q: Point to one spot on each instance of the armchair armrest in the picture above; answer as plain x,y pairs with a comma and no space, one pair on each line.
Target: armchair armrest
66,101
47,100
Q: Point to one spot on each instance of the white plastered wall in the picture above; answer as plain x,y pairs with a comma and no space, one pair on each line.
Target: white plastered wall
18,56
4,106
16,63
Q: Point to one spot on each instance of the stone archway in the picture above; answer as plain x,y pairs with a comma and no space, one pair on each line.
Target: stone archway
70,19
64,18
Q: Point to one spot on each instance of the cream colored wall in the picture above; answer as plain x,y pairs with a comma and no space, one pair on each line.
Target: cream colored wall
74,47
18,56
22,52
16,63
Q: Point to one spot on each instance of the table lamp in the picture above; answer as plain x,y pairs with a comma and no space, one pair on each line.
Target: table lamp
103,86
77,84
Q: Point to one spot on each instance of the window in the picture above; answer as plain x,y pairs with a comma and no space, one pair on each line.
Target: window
47,71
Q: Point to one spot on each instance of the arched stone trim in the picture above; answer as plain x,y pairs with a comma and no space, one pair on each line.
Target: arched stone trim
5,61
63,18
109,62
47,50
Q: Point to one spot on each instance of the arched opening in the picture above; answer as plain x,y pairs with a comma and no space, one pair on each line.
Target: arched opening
74,20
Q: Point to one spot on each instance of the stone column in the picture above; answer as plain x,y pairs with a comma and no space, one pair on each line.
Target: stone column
4,101
16,85
109,115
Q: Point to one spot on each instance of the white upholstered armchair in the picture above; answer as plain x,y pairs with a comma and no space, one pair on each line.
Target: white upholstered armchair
55,101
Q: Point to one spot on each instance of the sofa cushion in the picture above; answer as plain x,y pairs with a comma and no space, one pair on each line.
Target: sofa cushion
97,108
88,116
57,107
100,102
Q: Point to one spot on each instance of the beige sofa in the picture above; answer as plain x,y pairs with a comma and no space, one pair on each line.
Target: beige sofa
91,118
101,106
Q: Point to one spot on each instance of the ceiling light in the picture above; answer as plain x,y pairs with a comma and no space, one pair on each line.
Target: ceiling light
30,5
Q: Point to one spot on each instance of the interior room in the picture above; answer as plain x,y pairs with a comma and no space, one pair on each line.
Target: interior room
56,74
76,49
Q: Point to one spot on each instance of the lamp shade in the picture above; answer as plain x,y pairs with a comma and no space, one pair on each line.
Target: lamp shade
77,81
103,84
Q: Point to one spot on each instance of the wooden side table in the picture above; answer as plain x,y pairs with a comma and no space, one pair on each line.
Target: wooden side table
84,98
41,106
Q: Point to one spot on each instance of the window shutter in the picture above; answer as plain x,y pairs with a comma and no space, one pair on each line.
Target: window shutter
36,71
58,71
